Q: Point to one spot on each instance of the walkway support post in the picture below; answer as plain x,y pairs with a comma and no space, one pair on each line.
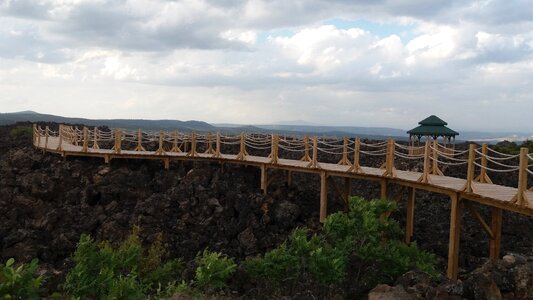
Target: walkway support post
483,177
209,144
242,152
356,167
60,132
274,149
306,149
95,138
85,139
264,179
455,234
409,224
139,141
323,196
496,228
118,141
160,150
192,152
344,160
425,176
389,160
314,161
38,131
521,196
471,169
46,135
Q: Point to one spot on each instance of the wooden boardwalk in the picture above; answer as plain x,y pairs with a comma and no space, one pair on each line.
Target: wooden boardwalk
69,141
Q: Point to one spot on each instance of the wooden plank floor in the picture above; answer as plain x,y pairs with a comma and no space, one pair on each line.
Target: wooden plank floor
488,194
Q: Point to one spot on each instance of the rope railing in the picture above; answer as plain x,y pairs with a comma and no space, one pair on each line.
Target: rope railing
482,159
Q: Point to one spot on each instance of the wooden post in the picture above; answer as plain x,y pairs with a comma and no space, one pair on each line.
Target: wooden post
347,193
118,141
435,169
242,152
95,138
75,135
425,176
161,150
496,228
409,224
344,160
323,196
356,167
306,149
274,152
264,179
166,161
60,132
192,152
389,160
139,141
383,188
314,161
483,177
46,134
85,139
175,147
38,130
217,147
521,197
471,168
209,144
455,235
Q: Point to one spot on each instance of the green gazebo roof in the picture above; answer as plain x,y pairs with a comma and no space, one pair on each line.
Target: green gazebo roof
432,126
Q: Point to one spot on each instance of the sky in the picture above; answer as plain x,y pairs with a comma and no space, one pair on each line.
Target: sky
375,63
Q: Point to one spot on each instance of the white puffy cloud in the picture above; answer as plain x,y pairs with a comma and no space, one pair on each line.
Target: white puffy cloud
263,61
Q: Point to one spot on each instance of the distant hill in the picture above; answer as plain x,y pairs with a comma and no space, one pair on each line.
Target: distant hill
30,116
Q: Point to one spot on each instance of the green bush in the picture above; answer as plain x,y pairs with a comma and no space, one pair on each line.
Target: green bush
21,132
19,282
102,271
360,244
214,270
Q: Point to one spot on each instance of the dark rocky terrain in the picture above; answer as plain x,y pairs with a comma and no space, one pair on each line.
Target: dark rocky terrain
47,201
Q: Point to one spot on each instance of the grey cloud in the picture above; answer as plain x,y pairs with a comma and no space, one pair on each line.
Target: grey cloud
24,9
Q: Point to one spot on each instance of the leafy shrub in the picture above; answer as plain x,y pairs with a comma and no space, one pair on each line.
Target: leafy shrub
21,132
19,282
360,245
214,270
102,271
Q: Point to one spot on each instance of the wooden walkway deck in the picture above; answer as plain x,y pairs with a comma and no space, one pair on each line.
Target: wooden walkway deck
69,141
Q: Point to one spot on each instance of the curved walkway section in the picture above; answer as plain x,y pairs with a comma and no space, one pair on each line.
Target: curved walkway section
303,154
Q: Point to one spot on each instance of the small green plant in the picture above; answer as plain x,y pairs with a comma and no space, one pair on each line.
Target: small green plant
214,270
102,271
19,282
21,132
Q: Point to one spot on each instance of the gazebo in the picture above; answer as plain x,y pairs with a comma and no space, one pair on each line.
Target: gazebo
433,127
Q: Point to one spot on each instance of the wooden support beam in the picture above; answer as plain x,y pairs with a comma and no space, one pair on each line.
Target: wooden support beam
306,149
344,160
95,138
192,152
38,130
455,235
139,141
390,171
496,228
117,148
46,135
479,219
264,179
409,224
166,161
425,175
383,188
85,147
323,196
242,152
274,149
521,196
175,139
314,161
347,193
60,132
289,177
217,146
356,167
483,177
469,188
160,149
209,144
